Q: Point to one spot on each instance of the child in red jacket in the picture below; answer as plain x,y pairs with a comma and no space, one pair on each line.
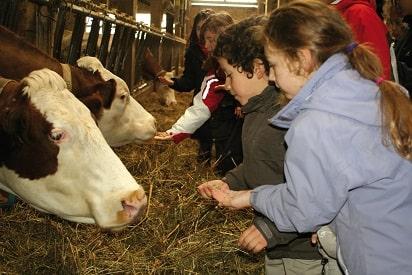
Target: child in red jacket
214,103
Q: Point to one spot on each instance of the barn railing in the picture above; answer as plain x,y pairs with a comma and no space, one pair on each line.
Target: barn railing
80,28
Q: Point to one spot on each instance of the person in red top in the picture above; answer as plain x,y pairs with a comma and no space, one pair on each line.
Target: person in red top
367,26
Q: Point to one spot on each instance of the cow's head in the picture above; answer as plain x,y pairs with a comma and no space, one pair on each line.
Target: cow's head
53,156
125,120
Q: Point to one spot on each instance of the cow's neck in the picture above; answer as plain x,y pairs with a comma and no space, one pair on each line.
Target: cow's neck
19,58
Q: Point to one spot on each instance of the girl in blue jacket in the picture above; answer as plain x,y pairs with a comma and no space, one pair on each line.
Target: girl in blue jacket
349,156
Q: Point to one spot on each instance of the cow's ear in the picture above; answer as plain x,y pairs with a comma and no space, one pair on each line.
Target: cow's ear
95,104
107,91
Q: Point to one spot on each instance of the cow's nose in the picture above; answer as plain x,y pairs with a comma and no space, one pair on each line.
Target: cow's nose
134,205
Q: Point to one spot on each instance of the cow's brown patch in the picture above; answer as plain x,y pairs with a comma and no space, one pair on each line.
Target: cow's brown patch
25,146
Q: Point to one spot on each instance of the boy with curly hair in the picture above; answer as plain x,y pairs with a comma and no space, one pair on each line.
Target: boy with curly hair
240,54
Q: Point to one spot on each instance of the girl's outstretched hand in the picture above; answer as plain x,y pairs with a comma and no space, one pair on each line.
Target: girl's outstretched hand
205,189
232,199
163,136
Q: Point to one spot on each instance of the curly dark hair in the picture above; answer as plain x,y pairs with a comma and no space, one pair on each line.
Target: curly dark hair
241,43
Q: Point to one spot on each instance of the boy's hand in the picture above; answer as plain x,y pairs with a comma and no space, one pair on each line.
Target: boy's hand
238,112
205,189
163,136
252,240
166,80
232,199
314,239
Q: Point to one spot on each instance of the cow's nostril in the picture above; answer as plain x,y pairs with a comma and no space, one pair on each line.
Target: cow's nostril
129,209
134,205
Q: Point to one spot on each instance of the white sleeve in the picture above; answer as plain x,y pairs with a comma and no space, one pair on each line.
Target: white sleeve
193,118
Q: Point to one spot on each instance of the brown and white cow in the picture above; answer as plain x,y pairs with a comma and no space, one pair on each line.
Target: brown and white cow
53,156
166,94
152,67
119,116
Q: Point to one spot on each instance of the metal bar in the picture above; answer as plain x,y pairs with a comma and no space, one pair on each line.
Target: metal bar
123,49
3,12
58,34
91,46
77,38
104,44
117,21
10,12
95,14
114,49
139,55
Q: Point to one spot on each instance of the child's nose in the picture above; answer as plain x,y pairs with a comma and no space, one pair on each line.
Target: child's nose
227,85
272,75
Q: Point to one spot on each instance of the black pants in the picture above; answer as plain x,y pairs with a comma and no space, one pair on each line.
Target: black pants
204,138
229,152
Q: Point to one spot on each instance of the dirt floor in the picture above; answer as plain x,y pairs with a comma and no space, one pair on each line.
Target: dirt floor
182,233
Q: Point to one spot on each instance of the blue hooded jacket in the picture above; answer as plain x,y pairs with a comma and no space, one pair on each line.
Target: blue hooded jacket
338,171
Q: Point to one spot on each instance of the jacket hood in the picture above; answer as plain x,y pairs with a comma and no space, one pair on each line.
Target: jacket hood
344,4
338,89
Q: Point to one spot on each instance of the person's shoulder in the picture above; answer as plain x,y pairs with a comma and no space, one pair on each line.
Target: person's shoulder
361,10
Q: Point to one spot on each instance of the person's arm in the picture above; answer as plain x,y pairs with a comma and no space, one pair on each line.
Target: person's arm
235,178
204,103
405,76
270,232
317,175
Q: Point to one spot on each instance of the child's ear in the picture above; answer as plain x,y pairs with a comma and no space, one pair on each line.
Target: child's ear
306,61
259,68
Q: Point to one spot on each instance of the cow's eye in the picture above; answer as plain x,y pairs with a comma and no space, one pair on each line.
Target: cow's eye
57,135
123,97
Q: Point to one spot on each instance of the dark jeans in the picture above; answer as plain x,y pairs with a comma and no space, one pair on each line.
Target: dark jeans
229,152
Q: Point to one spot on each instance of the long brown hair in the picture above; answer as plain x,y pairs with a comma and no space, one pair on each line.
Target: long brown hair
216,23
315,26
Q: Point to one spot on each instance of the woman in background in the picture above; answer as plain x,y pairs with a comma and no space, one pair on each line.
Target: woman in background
192,78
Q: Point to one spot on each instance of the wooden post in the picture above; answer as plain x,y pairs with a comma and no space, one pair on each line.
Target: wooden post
156,12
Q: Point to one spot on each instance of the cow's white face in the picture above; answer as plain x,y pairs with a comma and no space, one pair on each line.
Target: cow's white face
89,183
126,121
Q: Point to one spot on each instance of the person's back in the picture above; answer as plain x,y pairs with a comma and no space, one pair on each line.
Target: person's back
339,110
367,27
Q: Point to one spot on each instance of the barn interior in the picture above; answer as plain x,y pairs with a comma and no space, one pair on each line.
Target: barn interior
181,233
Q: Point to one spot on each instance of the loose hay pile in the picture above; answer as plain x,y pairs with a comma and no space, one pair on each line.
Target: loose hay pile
182,233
